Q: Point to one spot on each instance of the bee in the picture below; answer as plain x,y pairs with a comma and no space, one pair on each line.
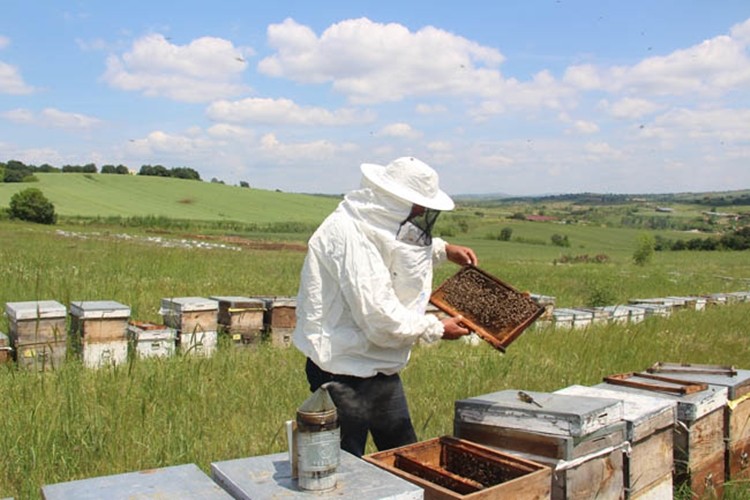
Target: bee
526,398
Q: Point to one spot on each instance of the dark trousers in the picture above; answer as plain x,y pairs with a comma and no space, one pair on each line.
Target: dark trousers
375,404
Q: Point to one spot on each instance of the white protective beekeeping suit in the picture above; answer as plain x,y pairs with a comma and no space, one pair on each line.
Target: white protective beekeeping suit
365,283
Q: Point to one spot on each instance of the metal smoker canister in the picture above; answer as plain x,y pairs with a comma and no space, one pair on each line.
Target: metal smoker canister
318,442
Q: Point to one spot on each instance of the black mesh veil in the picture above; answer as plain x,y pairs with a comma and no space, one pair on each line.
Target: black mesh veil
417,228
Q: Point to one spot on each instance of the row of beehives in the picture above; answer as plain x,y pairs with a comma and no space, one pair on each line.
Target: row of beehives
635,311
103,333
643,435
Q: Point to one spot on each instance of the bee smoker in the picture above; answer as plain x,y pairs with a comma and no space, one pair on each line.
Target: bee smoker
314,442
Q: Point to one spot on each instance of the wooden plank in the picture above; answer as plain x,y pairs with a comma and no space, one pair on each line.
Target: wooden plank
652,383
650,461
699,441
706,480
99,330
42,330
739,460
436,475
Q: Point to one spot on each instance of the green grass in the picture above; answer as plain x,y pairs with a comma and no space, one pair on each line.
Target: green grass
77,423
101,195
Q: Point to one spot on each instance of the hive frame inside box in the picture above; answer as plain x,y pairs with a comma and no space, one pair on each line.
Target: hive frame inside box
581,439
436,466
649,423
698,437
736,411
502,338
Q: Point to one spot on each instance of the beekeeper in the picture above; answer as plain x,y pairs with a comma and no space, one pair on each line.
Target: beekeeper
364,289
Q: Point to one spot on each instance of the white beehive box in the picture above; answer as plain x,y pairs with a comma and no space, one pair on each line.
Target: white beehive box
649,423
618,313
190,314
180,481
36,321
563,318
581,439
693,302
699,449
149,340
104,354
198,343
99,320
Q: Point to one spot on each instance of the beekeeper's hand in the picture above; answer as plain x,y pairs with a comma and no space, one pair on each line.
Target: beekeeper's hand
461,255
454,328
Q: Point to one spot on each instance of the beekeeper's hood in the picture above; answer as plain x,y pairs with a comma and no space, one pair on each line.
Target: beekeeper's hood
389,192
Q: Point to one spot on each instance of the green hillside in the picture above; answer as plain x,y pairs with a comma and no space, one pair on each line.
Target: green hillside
104,195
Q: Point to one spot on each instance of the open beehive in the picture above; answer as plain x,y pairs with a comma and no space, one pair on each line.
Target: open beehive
448,467
496,311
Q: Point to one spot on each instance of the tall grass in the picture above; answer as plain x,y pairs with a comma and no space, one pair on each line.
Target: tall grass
76,423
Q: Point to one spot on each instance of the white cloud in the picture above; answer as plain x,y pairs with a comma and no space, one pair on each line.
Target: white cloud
204,70
400,130
430,109
11,81
630,107
52,118
374,62
585,127
4,42
283,111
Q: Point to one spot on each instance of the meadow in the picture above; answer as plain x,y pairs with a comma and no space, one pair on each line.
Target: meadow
76,423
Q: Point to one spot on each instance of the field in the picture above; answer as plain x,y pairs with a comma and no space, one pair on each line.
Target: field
76,423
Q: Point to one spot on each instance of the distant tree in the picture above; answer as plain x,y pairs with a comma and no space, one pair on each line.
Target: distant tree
560,240
108,169
506,233
185,173
89,168
244,184
31,205
644,249
122,170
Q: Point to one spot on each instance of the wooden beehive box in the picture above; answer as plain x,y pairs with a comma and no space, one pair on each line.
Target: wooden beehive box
99,320
242,318
581,439
448,467
6,351
41,356
190,314
36,321
496,311
150,340
649,426
282,318
736,412
698,436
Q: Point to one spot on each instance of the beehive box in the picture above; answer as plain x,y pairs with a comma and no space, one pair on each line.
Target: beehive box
242,318
282,318
581,318
190,314
618,313
99,320
496,311
270,476
198,343
699,436
150,340
6,351
653,309
547,302
41,356
692,302
448,467
581,439
36,321
104,354
180,481
649,426
563,318
736,412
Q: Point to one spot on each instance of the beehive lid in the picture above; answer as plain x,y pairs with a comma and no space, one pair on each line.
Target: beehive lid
99,309
180,481
690,407
618,311
42,309
151,331
239,302
736,381
644,415
284,302
496,311
188,304
549,413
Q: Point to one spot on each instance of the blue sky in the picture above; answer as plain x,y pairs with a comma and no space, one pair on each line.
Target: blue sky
532,97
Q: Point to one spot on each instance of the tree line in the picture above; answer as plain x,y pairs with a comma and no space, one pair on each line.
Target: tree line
17,171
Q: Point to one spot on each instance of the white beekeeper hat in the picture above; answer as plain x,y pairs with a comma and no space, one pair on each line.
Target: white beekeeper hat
411,180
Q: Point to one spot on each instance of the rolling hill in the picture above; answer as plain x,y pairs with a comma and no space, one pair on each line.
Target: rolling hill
105,195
